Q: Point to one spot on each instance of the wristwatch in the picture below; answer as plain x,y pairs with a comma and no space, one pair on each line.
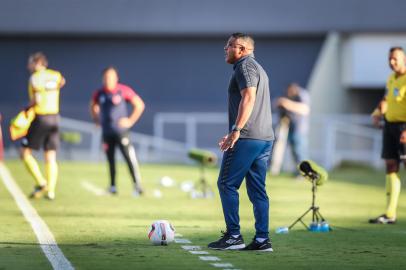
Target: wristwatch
235,128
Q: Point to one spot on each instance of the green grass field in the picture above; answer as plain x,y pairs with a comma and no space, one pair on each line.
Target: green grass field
110,232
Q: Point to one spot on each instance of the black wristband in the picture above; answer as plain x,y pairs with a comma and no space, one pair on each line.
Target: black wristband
235,128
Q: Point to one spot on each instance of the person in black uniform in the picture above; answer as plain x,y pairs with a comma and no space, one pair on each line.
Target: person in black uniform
108,108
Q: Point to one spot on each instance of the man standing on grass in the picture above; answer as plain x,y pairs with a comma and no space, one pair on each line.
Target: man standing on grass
43,89
295,106
108,108
247,147
393,110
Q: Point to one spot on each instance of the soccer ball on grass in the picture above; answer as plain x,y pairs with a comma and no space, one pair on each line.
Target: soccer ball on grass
161,233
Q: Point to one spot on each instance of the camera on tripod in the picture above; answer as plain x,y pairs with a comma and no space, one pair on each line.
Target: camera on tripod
313,172
317,176
205,159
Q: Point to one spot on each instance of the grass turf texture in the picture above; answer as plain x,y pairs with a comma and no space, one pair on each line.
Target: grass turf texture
110,232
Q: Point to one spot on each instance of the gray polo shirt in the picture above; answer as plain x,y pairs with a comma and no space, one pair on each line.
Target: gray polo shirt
249,73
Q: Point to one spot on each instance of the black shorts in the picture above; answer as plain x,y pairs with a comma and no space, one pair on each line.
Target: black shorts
111,140
392,148
43,132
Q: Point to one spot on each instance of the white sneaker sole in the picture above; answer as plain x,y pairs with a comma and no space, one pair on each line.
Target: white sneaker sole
234,247
260,250
266,250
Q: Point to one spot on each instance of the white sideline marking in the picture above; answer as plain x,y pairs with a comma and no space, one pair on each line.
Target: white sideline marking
182,241
191,247
44,235
93,188
209,258
222,265
199,252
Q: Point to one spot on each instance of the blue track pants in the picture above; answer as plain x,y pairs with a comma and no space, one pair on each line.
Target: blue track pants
250,159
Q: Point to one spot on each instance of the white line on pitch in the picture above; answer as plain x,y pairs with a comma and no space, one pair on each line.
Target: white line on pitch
209,258
182,241
199,252
93,188
44,235
222,265
191,247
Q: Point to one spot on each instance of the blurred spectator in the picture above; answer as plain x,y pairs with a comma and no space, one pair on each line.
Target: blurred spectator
108,108
295,107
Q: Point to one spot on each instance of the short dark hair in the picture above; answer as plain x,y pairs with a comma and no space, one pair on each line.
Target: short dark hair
38,57
247,38
396,48
239,35
110,68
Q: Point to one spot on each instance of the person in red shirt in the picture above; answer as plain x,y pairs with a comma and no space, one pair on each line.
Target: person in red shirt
108,108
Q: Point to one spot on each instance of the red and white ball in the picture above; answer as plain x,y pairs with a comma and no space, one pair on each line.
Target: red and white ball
161,233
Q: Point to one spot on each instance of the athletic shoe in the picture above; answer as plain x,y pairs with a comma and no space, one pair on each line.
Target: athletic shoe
50,196
259,246
228,242
38,192
382,219
112,190
138,191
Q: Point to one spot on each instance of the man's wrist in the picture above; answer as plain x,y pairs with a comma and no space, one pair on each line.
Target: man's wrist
234,128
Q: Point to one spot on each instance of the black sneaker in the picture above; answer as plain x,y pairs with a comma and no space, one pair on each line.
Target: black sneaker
38,192
228,242
382,219
259,246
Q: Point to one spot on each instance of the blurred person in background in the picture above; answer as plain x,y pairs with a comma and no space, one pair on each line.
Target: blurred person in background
294,107
43,89
392,109
108,108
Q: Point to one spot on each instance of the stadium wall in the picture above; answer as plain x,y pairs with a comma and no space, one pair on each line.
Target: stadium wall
177,74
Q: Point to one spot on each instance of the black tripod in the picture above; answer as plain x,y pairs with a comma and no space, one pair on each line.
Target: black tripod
202,186
316,215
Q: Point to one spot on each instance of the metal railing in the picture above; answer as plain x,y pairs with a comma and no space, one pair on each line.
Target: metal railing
338,138
332,140
89,147
149,148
